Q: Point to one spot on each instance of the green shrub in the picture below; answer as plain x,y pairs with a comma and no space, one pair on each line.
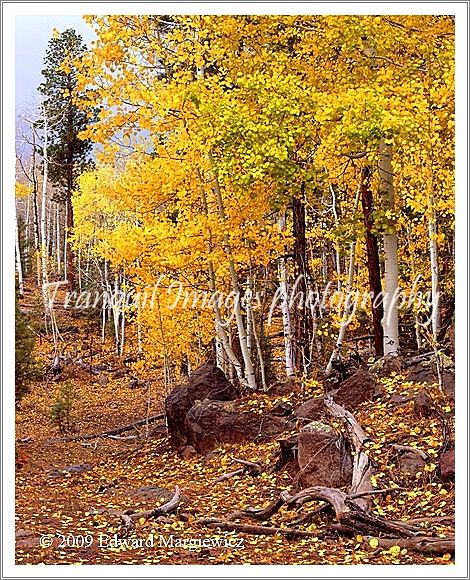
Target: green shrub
61,410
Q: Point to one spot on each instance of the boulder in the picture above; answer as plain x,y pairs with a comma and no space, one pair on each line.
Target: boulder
323,457
281,409
360,387
425,372
207,382
410,463
209,423
312,409
387,365
449,338
422,405
177,405
103,380
187,452
286,387
447,465
210,382
23,533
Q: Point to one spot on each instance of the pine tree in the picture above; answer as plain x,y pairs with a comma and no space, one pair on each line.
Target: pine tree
26,368
68,156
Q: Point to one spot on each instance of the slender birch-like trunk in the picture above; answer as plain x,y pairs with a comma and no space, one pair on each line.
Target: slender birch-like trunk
346,314
19,267
286,317
390,239
49,229
434,259
57,243
242,335
419,341
220,327
37,240
79,266
337,255
27,241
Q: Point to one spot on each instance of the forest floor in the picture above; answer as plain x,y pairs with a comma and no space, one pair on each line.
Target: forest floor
74,492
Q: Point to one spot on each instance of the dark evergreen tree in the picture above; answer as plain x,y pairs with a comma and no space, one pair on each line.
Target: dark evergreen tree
68,155
26,368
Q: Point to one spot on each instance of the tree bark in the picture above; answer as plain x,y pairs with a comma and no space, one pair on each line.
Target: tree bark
242,334
220,327
286,315
373,263
302,313
19,266
390,318
68,201
342,329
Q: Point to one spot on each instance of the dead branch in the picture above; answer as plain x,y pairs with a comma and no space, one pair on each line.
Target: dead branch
410,449
248,467
361,478
230,474
253,467
128,518
411,361
253,529
115,431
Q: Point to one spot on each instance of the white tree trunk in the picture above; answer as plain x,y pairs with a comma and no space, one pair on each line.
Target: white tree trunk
19,267
79,265
220,328
390,239
337,256
346,314
433,255
49,229
286,318
250,314
57,244
242,335
27,225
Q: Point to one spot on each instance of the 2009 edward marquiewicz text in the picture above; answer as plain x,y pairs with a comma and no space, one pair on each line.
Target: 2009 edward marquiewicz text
170,541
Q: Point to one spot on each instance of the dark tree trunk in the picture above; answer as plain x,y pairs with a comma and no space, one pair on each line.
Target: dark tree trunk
301,309
373,262
68,201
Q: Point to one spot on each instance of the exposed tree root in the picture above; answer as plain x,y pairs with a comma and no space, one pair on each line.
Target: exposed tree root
352,510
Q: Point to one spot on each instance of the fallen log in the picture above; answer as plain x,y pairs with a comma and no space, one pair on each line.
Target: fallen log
115,431
423,544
